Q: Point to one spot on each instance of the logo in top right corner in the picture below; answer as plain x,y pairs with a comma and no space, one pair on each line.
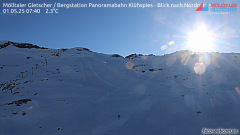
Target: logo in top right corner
218,8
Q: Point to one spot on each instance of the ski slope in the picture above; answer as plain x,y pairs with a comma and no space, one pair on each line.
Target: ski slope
80,92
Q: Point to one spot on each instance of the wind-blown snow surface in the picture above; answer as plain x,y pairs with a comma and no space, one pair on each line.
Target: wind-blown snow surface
79,92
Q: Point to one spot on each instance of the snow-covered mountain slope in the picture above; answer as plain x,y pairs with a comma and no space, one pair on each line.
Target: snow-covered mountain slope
79,92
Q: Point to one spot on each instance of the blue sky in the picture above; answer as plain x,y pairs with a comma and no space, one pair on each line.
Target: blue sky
123,31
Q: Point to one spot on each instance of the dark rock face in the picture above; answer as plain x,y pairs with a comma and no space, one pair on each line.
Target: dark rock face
131,56
27,45
19,102
21,45
117,56
5,45
84,49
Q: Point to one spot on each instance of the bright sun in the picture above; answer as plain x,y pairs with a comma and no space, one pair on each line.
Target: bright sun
200,40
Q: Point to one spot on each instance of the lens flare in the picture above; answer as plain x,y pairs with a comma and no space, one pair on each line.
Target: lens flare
129,65
171,43
144,57
237,90
199,68
164,47
185,58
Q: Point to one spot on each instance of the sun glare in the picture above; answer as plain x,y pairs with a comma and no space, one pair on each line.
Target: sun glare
200,40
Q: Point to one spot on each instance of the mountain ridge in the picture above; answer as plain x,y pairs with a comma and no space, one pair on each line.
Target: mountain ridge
5,43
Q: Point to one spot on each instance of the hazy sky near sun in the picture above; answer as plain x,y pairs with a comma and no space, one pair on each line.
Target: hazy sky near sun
120,30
